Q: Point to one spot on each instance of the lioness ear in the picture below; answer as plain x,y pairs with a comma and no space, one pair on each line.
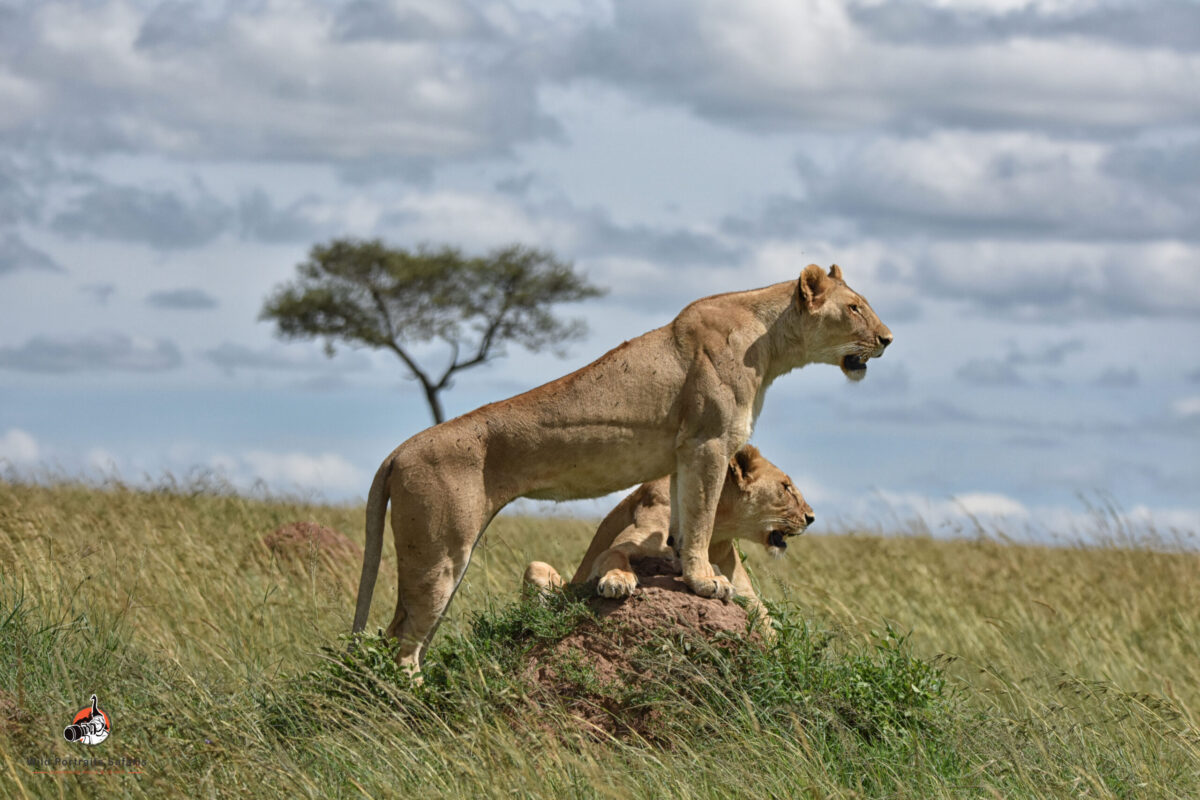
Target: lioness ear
740,465
814,283
835,272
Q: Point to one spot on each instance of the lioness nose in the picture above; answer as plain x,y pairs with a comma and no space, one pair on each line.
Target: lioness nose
809,518
885,339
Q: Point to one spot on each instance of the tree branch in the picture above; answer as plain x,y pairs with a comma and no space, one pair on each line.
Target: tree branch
393,345
441,384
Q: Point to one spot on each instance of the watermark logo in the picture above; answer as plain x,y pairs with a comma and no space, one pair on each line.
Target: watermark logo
90,726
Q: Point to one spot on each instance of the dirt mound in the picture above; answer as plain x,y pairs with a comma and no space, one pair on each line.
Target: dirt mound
600,670
303,543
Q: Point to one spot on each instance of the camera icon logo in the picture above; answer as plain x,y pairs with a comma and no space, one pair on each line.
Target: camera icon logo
90,726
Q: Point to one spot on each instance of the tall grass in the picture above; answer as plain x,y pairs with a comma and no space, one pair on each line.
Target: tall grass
1059,672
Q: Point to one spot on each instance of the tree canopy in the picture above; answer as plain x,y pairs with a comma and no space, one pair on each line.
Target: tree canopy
364,293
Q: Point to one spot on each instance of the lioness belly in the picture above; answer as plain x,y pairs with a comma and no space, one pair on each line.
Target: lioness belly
596,463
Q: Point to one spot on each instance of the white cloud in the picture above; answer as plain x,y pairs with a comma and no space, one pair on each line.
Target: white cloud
324,472
1187,407
271,80
990,504
959,183
101,461
784,64
18,447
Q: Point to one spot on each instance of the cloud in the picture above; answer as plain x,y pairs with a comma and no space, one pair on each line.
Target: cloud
1150,24
16,255
926,412
1186,407
380,20
163,219
282,81
325,472
100,292
101,461
1007,371
170,218
771,65
104,351
231,357
181,299
261,220
16,203
989,372
1118,378
18,447
960,184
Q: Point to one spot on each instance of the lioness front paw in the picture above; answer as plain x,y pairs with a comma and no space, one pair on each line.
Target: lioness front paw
717,587
616,583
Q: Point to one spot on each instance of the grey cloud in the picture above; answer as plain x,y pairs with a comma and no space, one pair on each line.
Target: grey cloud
989,372
170,219
317,89
231,357
260,219
160,218
956,185
927,412
414,170
323,383
1118,378
100,352
175,26
1172,166
517,185
402,22
15,255
1035,442
1050,355
808,66
1007,371
1064,281
600,235
182,299
100,292
16,203
1144,23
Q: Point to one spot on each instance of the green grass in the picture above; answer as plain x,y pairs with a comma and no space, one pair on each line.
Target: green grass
904,667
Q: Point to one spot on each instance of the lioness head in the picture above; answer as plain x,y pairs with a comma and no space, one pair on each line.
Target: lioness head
759,502
838,324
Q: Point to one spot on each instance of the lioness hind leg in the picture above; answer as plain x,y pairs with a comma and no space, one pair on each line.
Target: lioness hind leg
433,548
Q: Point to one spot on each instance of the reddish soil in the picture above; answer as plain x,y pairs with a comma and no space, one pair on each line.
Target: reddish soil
306,542
662,608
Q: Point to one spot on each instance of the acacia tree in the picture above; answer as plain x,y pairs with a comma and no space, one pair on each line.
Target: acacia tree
363,293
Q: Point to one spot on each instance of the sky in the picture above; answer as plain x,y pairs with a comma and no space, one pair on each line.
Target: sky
1013,184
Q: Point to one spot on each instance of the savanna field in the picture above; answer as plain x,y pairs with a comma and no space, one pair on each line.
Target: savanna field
904,666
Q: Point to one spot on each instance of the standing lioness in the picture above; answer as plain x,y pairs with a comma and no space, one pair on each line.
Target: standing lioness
679,400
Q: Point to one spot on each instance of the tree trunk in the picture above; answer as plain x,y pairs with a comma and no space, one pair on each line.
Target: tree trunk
435,404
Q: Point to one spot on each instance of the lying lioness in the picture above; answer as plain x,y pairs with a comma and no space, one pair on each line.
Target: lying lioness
758,503
679,400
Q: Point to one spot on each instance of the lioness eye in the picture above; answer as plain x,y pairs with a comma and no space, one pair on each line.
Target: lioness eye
854,308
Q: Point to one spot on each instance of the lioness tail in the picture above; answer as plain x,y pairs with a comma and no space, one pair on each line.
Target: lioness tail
377,501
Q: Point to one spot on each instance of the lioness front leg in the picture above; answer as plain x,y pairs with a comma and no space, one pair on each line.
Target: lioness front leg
700,475
725,557
615,575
